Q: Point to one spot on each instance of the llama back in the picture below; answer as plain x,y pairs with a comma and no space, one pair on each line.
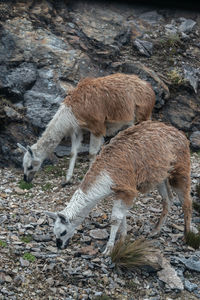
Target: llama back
140,157
111,99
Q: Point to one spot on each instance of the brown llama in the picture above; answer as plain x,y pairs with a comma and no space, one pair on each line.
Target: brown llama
102,106
143,157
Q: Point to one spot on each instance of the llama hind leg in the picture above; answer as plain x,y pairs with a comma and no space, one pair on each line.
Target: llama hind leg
95,145
118,214
185,199
76,139
163,190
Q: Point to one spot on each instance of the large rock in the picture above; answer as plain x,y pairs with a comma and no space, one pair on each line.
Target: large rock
195,140
181,112
46,47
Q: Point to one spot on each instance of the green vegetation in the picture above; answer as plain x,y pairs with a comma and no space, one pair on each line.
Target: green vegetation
193,239
3,244
56,171
27,239
127,254
28,256
47,186
25,185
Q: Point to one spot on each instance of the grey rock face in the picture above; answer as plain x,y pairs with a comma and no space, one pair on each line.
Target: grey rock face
192,75
195,140
46,48
179,113
187,26
152,17
144,47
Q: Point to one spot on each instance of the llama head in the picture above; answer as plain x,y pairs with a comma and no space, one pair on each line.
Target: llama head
31,163
63,229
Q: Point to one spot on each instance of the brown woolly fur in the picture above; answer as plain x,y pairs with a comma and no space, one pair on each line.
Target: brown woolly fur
128,255
111,99
141,158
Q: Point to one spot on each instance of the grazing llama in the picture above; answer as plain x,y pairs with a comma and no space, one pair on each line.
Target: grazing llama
102,106
138,159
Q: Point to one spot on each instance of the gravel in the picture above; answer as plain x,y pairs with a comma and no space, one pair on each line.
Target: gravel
31,267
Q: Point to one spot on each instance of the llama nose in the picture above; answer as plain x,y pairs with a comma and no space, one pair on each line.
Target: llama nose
58,243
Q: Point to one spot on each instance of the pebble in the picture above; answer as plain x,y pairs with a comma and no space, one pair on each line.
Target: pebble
189,286
99,234
24,262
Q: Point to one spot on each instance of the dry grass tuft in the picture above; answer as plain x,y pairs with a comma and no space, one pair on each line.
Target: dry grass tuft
127,254
198,190
193,239
196,206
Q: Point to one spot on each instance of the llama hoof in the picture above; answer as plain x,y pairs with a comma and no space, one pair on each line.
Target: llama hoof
64,183
107,250
154,232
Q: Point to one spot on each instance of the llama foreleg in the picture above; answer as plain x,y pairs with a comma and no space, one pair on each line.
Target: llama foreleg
76,139
118,214
95,145
123,228
166,198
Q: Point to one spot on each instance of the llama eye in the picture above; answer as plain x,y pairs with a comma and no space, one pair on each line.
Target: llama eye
63,233
30,168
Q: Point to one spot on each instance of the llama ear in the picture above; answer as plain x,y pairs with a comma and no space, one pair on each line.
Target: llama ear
63,219
30,150
22,148
51,215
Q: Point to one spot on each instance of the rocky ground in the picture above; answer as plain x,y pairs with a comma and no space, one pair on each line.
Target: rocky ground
31,267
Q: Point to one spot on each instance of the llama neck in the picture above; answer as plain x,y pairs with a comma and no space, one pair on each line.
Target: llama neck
81,203
62,124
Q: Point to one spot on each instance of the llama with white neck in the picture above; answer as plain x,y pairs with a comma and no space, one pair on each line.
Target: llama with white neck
140,158
102,106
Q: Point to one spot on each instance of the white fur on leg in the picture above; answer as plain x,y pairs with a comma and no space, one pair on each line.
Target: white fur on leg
76,139
95,145
123,228
118,213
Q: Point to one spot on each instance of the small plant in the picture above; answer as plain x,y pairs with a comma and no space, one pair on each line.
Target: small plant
127,254
25,185
28,256
3,244
47,186
27,239
193,239
173,40
175,77
56,171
